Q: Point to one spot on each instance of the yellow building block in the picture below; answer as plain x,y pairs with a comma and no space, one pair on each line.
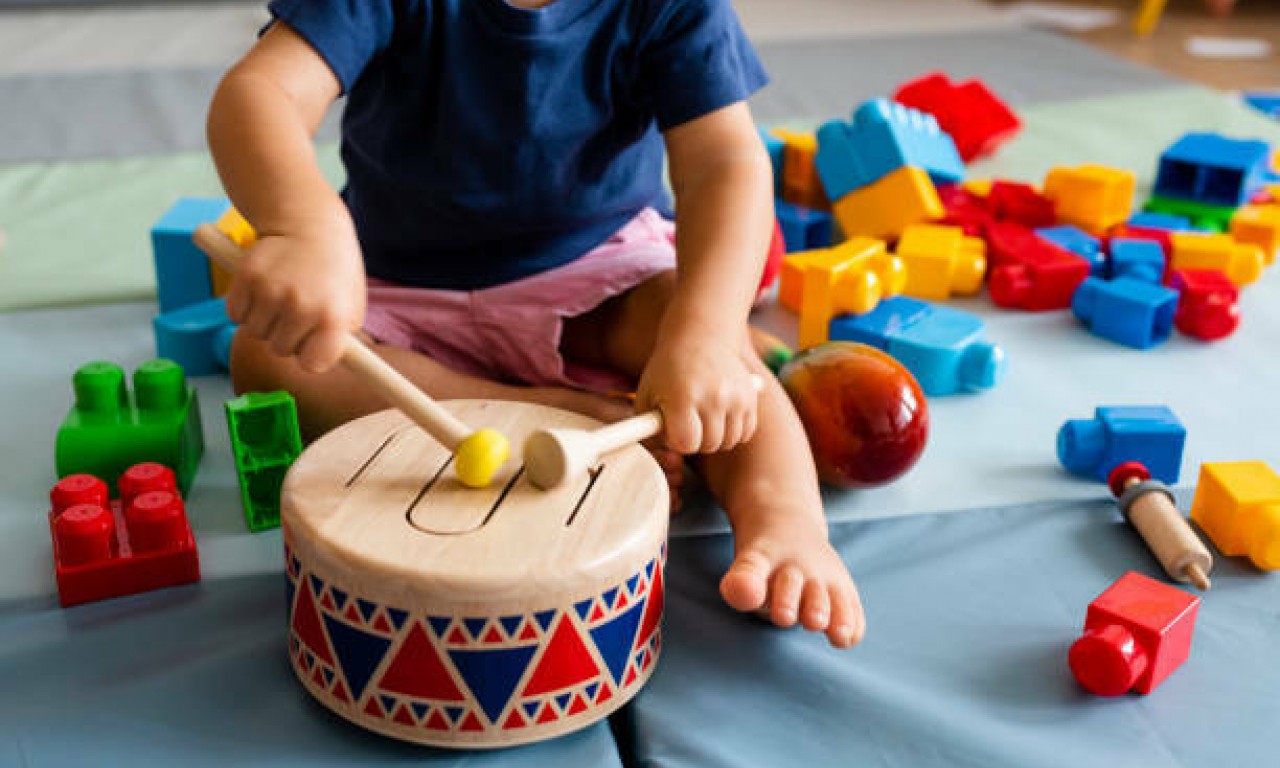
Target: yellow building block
1092,197
883,209
801,184
941,261
851,277
979,187
234,226
1237,505
1258,225
1240,262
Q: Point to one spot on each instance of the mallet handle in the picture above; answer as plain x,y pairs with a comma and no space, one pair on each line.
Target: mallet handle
387,381
623,433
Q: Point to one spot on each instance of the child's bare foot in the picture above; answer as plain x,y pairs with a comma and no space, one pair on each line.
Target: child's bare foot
785,566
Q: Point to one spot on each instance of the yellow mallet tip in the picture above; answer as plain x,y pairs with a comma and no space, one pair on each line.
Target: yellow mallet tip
479,457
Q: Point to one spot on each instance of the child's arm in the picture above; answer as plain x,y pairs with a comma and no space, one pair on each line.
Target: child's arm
702,367
301,287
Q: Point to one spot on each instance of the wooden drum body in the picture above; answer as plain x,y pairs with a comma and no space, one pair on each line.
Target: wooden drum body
435,613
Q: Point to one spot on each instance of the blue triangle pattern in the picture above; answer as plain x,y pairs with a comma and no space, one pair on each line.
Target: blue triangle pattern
339,598
639,658
317,586
328,675
544,618
609,597
475,626
289,591
531,708
367,609
562,700
397,617
648,570
419,710
582,608
388,703
492,675
453,713
632,582
511,623
358,653
614,638
439,624
591,691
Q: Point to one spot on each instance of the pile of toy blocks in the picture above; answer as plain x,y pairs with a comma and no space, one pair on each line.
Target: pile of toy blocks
878,206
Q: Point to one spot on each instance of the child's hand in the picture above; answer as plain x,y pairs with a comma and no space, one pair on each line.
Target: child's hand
706,388
302,293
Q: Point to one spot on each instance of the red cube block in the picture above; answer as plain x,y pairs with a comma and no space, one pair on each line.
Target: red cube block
964,209
1020,203
1208,303
1029,272
976,118
104,549
1136,634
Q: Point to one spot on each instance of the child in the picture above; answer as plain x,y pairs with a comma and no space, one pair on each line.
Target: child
504,163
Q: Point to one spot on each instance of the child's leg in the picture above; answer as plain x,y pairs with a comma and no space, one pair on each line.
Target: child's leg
768,486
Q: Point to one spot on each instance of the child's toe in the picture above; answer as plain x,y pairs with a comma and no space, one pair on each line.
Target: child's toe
784,595
847,622
745,586
815,607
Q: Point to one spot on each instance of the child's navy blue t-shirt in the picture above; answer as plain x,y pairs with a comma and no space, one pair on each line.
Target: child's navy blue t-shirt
484,143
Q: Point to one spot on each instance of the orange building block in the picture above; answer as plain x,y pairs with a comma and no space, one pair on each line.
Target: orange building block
234,226
1237,505
941,261
801,184
851,277
1258,225
887,207
1240,262
1092,197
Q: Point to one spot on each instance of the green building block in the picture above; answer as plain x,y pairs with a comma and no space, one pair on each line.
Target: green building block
265,441
111,428
1214,217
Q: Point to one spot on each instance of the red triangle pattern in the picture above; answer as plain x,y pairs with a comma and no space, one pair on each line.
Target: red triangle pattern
548,714
529,633
622,600
418,671
652,611
373,708
578,705
493,635
565,662
604,695
403,716
381,624
514,720
326,602
631,677
340,693
317,677
471,723
306,624
437,722
596,614
457,635
352,615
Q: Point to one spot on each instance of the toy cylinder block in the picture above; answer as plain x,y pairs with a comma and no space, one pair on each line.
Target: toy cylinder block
145,478
159,385
1258,225
1151,435
1081,444
100,389
982,366
84,534
1010,285
1107,661
74,490
156,521
1208,304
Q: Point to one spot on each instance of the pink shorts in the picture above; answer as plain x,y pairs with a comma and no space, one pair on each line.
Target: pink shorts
511,332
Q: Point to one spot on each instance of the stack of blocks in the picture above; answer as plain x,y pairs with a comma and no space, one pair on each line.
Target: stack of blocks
265,442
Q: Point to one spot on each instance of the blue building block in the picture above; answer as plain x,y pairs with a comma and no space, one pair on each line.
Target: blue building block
803,229
776,148
1212,169
1151,435
1268,103
1166,221
1138,259
182,271
1126,311
197,337
941,346
883,137
1079,242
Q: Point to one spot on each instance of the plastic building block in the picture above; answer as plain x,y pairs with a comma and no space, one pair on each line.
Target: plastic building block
1208,303
803,229
1079,242
1029,272
1150,435
976,118
1241,262
182,271
1021,203
1135,313
110,428
1093,197
240,231
1138,259
1265,102
104,549
1213,218
772,264
1258,225
851,277
775,147
1136,634
883,137
1237,505
941,260
1161,237
1165,221
965,209
265,442
197,337
904,197
943,347
1213,169
800,182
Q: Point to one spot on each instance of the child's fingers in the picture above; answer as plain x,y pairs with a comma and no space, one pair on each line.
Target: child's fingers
683,428
321,349
713,429
289,333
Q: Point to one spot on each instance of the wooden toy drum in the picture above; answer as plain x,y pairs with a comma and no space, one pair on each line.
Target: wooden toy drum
440,614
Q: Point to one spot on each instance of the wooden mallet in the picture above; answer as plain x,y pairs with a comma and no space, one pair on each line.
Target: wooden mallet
477,454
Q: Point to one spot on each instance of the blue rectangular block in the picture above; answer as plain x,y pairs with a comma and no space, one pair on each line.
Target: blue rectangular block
776,148
1213,169
1080,243
1265,102
1167,221
182,271
1138,259
803,229
1150,435
197,337
1127,311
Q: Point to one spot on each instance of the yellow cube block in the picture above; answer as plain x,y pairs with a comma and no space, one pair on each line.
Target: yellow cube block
850,277
1258,225
1240,262
1092,197
234,226
801,184
1237,505
941,261
888,206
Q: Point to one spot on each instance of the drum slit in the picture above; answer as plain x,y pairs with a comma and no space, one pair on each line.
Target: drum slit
594,475
408,515
492,510
372,458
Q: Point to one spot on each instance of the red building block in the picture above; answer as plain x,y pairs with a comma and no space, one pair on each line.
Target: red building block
1208,303
104,549
976,118
964,209
772,262
1029,272
1136,634
1021,204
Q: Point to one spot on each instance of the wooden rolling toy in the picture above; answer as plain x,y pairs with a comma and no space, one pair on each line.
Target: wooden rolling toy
479,454
472,618
1148,505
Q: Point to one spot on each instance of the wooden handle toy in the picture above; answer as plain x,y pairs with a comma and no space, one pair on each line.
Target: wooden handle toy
478,454
471,618
1148,505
